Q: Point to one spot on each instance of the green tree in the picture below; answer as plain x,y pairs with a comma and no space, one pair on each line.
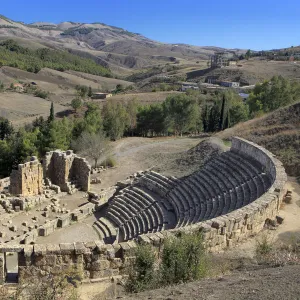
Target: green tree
181,113
92,118
51,115
76,103
82,90
273,94
115,119
23,146
150,120
6,129
205,118
6,159
223,114
1,86
132,110
214,118
248,54
90,92
60,135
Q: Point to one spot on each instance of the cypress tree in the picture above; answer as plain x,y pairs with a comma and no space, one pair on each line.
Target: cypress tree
205,119
222,114
51,116
213,119
90,92
227,121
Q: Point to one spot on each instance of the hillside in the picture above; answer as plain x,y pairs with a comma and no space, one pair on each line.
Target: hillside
109,45
249,71
278,131
22,108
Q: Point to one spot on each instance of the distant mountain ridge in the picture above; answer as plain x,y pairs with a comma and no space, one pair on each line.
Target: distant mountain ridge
108,45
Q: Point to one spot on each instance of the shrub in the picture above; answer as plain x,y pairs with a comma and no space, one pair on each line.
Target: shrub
41,94
264,245
142,275
183,259
109,162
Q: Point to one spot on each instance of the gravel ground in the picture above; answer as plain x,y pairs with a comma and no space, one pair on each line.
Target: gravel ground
269,283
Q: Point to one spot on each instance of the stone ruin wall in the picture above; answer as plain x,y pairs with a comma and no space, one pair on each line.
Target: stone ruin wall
66,168
99,261
4,183
27,180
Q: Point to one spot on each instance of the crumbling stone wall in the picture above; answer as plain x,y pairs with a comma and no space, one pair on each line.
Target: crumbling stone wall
80,173
4,183
65,169
27,180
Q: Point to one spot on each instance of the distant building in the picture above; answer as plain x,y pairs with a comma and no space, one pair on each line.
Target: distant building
232,84
220,59
189,86
101,95
215,80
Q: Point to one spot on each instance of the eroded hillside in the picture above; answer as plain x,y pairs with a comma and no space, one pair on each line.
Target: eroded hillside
278,131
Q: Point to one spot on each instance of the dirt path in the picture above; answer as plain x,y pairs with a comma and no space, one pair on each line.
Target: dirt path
136,154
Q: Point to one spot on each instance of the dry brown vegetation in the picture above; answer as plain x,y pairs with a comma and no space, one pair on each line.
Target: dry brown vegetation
277,131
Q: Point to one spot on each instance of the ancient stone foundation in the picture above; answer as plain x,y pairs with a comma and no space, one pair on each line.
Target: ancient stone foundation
27,180
67,170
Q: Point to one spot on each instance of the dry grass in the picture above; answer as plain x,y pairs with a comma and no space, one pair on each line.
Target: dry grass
23,108
277,131
143,98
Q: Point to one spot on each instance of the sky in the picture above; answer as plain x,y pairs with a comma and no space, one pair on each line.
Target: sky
255,24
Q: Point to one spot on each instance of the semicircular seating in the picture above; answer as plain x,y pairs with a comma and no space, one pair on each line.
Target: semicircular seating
156,202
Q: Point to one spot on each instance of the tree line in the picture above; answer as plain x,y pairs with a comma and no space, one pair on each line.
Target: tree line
14,55
273,94
179,114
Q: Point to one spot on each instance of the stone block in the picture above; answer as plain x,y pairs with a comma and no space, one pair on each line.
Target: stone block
100,265
39,249
67,248
80,248
53,249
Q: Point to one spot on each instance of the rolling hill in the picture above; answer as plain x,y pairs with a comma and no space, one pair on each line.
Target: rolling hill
110,46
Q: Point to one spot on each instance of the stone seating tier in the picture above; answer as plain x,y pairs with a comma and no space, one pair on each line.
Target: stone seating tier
230,181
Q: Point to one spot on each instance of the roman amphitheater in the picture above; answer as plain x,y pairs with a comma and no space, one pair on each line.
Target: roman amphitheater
228,200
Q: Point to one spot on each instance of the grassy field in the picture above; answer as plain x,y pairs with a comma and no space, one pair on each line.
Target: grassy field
20,108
